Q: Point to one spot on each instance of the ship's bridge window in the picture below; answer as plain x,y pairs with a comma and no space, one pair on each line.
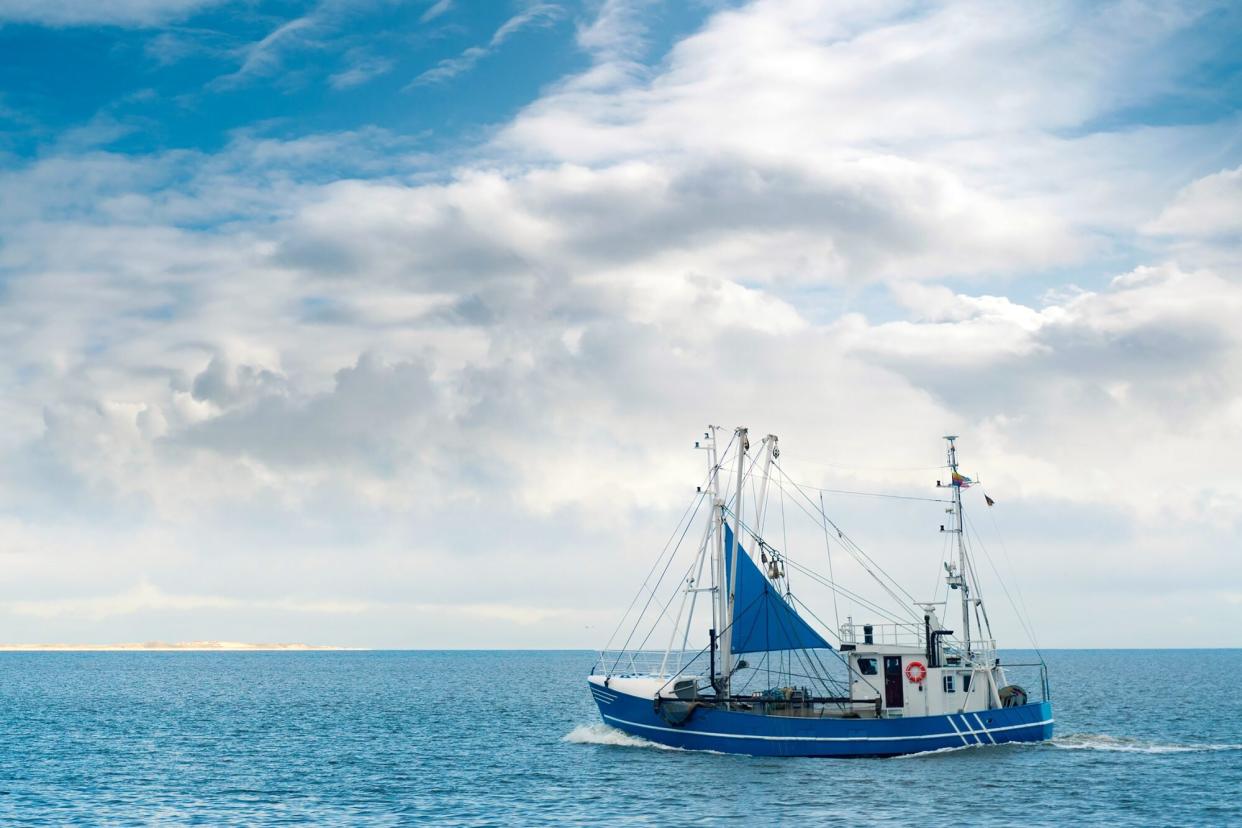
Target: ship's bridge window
965,682
948,684
867,666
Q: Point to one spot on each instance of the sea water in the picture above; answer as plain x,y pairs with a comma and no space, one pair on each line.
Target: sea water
496,738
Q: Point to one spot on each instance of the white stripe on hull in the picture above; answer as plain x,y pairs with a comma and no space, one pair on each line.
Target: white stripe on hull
826,738
968,727
984,730
965,741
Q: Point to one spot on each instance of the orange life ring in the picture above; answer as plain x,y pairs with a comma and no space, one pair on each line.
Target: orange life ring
916,672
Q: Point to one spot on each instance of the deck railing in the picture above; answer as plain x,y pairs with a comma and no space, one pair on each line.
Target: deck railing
908,635
651,663
1026,669
982,650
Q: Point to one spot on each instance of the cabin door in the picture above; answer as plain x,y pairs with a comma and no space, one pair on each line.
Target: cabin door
894,688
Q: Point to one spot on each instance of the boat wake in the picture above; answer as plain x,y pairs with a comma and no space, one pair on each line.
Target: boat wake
1102,741
601,734
936,752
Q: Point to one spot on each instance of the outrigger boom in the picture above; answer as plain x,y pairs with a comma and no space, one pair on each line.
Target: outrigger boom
901,683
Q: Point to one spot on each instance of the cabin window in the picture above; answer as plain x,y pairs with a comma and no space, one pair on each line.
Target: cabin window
948,684
867,666
965,683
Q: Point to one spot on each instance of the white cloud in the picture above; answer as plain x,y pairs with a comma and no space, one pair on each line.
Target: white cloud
324,29
538,14
617,31
93,12
978,101
1208,208
420,390
436,9
263,57
145,597
362,69
1099,398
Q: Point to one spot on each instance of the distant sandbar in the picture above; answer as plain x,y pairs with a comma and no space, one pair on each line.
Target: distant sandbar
164,646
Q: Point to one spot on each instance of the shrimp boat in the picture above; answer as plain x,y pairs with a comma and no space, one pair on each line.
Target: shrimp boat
769,678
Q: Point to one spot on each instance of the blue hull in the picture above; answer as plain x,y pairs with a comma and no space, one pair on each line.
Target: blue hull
758,735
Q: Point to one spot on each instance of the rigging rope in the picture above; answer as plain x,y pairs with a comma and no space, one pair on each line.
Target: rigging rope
853,596
868,604
836,613
669,602
1016,585
840,657
855,550
850,467
694,504
849,491
1021,615
877,494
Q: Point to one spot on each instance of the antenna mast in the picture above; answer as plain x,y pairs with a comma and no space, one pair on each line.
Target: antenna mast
721,604
961,581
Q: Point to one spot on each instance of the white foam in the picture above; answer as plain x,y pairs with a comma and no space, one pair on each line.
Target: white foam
601,734
950,749
1102,741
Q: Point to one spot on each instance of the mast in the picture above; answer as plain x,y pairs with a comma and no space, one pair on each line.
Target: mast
720,607
713,494
959,528
728,588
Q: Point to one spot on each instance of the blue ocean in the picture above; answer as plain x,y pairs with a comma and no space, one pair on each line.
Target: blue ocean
513,738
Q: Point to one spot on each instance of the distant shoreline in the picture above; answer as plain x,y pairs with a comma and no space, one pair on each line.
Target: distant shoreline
165,647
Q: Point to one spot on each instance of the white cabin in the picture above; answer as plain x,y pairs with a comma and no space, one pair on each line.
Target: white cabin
892,664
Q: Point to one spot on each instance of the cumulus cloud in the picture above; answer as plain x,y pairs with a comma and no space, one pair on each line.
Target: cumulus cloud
1126,382
1204,208
357,421
327,361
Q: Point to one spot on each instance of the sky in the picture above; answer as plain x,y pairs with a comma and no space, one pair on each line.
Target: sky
393,324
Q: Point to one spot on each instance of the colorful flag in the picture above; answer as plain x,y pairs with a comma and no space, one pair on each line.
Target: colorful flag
961,480
988,500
